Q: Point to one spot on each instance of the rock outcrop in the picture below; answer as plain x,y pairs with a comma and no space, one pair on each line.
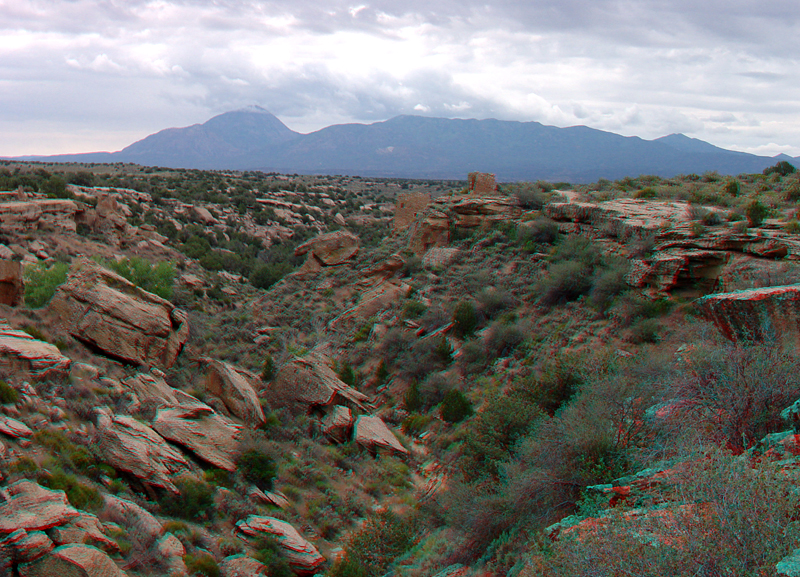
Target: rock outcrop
151,387
302,556
24,216
373,301
430,230
481,183
330,249
73,561
765,314
208,435
306,383
12,287
338,423
19,350
133,447
372,433
234,387
242,566
14,428
407,207
27,505
107,312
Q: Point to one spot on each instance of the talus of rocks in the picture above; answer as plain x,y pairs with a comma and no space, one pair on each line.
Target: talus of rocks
108,312
302,556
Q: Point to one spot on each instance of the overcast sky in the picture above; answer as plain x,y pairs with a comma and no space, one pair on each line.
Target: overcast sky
92,75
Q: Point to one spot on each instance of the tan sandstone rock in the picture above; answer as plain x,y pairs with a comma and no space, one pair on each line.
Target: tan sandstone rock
242,566
29,506
331,248
234,387
208,435
38,214
12,287
133,447
14,428
305,383
372,433
151,387
302,556
19,350
73,561
337,424
106,311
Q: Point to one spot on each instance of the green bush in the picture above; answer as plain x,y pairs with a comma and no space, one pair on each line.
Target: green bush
79,495
201,563
266,275
412,400
756,213
732,187
533,234
258,468
8,394
194,502
465,319
268,552
784,168
42,281
158,278
564,282
413,309
456,407
268,369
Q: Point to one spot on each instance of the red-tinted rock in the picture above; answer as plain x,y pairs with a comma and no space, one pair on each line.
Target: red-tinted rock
234,387
481,183
331,248
12,287
19,350
29,506
338,423
242,566
372,433
302,556
73,561
765,314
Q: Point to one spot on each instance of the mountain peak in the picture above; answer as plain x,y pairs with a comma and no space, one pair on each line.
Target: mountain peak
254,109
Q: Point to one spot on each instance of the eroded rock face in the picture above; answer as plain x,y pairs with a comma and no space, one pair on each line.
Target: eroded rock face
407,207
12,288
372,433
338,423
242,566
14,428
38,214
430,230
151,387
481,183
305,383
234,387
104,310
133,447
331,248
19,350
302,556
765,314
208,435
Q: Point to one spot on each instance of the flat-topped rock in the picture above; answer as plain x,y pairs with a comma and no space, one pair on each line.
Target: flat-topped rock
331,248
234,387
764,314
302,556
106,311
207,434
19,350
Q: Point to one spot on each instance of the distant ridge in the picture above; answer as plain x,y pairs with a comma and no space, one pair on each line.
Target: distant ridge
421,147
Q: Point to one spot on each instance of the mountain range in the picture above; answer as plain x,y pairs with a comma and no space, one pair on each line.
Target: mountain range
425,148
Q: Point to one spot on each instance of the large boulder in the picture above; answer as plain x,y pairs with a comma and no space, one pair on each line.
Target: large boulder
207,434
152,388
331,248
242,566
14,428
73,561
764,314
133,447
29,506
372,433
20,351
234,387
302,556
107,312
306,383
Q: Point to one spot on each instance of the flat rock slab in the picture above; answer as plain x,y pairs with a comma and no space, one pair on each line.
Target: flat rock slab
73,561
302,556
234,387
19,349
242,566
372,433
14,428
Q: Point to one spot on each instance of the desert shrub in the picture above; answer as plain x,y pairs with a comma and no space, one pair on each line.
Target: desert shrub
732,187
640,247
415,424
792,192
456,407
42,281
264,276
465,319
531,196
201,563
68,454
383,537
792,227
381,373
413,309
564,282
738,392
158,278
412,400
555,384
473,359
756,213
268,552
607,284
268,368
347,375
783,168
257,467
425,357
492,301
646,192
502,338
79,495
534,234
8,394
395,343
645,331
195,500
434,388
